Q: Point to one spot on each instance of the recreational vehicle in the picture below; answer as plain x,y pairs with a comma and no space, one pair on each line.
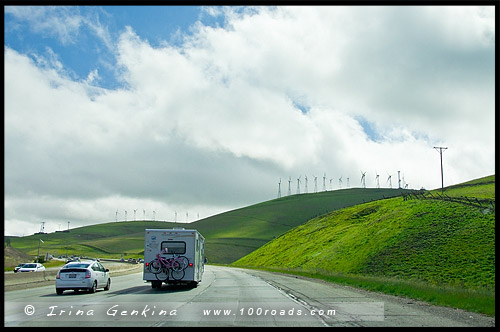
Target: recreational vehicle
173,256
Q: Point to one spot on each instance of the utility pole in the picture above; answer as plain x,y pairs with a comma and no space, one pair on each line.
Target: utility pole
38,254
441,156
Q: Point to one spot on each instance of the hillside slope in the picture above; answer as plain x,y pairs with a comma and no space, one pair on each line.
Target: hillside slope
234,234
229,236
431,241
13,257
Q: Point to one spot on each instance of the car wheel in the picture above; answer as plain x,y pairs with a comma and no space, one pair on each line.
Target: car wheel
59,291
93,288
108,285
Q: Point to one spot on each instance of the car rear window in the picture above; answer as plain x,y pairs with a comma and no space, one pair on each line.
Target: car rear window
72,270
81,266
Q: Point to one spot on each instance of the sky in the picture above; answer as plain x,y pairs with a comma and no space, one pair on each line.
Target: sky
178,113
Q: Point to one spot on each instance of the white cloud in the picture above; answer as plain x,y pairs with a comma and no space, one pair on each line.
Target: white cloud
213,123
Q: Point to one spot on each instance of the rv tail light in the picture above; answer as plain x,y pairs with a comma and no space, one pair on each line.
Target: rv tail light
190,264
147,264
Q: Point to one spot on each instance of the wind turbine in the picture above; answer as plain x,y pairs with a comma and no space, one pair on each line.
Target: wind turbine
340,182
116,215
389,177
331,184
363,176
306,184
315,184
289,189
298,185
405,185
135,210
279,189
324,183
377,179
347,182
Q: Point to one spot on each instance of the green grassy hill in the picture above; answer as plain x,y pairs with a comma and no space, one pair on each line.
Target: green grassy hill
232,235
229,236
479,188
431,249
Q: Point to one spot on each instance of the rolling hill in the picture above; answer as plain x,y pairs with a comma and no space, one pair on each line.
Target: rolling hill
234,234
229,236
429,243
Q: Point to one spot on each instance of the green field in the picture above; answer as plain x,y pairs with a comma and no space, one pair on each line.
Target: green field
406,247
229,236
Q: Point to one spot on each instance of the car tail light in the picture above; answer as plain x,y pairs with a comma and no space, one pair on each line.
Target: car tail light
58,276
87,274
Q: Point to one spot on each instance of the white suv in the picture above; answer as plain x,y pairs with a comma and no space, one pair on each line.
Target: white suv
88,275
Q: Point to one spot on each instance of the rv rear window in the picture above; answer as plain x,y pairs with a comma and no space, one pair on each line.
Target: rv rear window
174,247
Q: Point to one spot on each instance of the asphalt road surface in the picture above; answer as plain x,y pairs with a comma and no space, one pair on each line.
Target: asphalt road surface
227,297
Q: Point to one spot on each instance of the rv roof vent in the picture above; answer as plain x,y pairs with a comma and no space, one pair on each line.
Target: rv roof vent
179,228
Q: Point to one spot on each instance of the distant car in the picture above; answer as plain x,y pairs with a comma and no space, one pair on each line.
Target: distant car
73,259
86,275
16,269
31,267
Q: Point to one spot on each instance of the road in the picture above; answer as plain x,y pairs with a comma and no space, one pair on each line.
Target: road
227,297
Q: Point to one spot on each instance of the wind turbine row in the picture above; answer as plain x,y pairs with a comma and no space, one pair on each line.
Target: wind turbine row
340,183
135,213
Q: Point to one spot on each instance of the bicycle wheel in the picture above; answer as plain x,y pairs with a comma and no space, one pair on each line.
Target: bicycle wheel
183,261
162,275
155,266
178,275
175,265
